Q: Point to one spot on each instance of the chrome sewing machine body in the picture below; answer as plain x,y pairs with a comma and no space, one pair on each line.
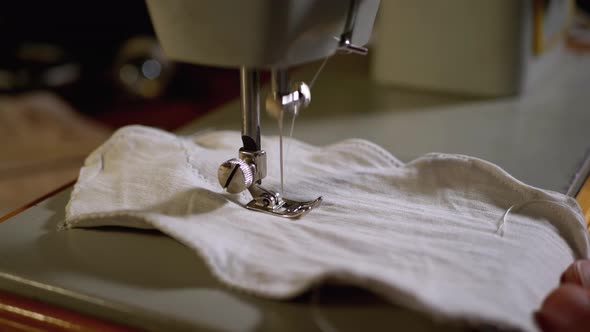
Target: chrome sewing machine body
257,35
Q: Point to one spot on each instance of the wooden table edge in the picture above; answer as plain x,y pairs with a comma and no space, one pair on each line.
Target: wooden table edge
36,201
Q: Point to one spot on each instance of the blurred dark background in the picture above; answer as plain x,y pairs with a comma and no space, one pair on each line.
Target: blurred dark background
71,72
102,57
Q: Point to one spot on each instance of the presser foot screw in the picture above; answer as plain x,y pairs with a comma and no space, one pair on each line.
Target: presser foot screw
235,175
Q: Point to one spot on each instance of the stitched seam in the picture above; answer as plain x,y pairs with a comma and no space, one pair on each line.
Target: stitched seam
367,146
104,149
188,159
529,192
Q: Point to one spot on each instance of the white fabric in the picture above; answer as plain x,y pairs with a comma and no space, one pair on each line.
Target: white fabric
425,234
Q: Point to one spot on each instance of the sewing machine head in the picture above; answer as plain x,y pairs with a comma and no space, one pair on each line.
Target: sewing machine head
259,35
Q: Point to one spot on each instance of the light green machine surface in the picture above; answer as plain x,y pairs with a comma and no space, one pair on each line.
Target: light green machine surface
148,280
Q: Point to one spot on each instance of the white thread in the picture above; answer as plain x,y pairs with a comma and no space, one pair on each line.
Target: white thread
287,148
317,73
502,224
293,116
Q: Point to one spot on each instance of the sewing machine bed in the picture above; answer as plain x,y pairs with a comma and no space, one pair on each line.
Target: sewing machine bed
145,279
148,280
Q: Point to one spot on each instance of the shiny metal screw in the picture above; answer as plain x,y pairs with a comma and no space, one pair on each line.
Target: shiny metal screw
235,175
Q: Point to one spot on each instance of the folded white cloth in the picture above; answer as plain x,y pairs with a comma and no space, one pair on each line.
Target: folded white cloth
429,234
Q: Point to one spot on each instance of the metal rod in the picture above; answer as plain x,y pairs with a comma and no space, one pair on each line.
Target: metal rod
250,102
351,19
279,79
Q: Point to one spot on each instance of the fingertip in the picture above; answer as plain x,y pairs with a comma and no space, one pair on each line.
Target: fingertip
571,275
564,308
542,322
582,268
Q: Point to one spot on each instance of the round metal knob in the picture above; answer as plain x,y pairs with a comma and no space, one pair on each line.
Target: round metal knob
292,103
304,93
235,176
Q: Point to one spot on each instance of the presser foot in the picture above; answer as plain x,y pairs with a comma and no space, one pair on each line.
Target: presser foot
237,175
270,202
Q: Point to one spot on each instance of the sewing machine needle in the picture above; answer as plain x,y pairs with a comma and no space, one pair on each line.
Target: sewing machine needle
281,115
281,122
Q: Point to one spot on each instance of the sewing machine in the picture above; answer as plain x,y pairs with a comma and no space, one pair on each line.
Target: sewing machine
152,282
262,35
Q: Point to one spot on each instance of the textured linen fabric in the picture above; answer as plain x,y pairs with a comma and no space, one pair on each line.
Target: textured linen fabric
429,234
